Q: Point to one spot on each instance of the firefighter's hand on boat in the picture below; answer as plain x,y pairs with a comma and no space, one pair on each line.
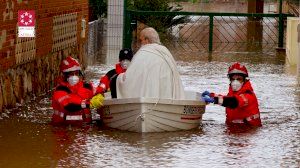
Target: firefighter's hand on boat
96,101
208,99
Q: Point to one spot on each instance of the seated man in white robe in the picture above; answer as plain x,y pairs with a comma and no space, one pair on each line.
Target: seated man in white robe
152,73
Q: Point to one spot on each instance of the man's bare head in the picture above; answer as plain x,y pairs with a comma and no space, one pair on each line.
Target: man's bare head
148,36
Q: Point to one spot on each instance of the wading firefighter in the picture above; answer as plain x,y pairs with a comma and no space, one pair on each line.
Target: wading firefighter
73,97
240,102
108,82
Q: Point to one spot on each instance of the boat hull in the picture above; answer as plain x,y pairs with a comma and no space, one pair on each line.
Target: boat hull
152,115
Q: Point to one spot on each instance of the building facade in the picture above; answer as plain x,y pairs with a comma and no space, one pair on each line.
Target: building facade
29,66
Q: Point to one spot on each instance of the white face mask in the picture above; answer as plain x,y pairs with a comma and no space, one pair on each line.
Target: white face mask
125,64
73,80
236,85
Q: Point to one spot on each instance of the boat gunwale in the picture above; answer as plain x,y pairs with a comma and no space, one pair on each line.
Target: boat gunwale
143,100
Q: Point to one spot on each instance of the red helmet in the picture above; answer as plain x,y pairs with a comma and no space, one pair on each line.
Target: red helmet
237,68
69,64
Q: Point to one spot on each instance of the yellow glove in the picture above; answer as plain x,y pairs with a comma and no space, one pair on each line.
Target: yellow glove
96,101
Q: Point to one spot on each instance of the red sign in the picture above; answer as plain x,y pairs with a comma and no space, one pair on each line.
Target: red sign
26,18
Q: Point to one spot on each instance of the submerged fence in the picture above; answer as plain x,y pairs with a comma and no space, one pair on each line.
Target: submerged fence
200,31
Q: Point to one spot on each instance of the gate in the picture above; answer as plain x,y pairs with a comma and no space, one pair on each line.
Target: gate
214,32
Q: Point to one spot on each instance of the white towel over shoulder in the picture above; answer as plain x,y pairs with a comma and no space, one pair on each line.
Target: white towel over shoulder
152,73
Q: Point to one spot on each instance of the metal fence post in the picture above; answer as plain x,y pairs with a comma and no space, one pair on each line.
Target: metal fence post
126,27
211,28
127,30
280,28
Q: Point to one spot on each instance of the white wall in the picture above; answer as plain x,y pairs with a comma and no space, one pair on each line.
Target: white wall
298,64
292,40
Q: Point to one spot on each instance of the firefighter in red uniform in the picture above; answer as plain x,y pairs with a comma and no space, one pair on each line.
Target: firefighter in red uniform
108,82
241,102
72,97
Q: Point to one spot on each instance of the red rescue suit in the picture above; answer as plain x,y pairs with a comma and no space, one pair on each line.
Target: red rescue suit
241,106
109,80
71,103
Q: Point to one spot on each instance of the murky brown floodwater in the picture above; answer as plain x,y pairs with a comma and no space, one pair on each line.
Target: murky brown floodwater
27,140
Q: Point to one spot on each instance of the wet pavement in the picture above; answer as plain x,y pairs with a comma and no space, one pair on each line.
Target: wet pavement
27,139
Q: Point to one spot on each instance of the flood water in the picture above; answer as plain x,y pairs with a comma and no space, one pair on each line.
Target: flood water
27,140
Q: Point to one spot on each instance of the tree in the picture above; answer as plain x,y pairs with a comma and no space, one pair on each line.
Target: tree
98,8
160,23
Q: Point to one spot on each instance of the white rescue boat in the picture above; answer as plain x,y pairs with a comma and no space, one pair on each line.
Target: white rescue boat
153,114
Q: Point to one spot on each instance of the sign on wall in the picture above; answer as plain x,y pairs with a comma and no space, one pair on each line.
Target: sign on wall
26,23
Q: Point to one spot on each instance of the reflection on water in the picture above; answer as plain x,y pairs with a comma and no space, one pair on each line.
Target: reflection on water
27,140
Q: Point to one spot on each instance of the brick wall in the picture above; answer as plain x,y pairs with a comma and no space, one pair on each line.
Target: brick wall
30,65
